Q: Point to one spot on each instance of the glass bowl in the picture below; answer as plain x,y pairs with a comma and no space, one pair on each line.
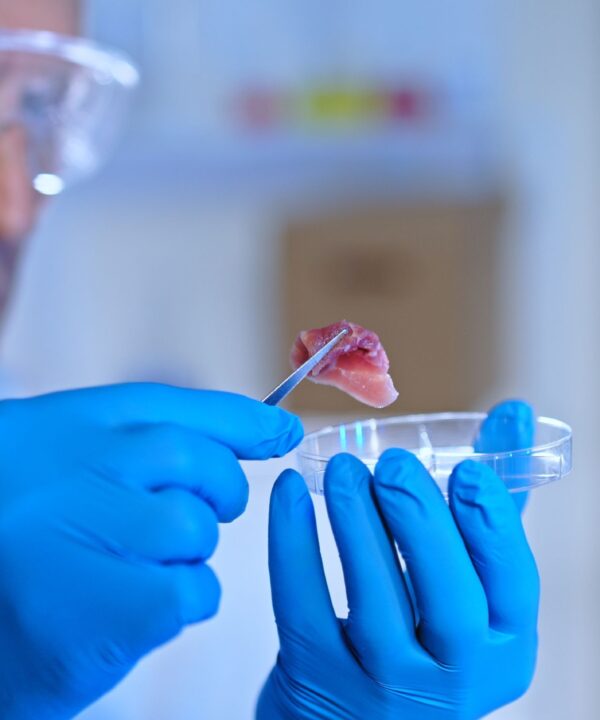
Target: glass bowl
440,441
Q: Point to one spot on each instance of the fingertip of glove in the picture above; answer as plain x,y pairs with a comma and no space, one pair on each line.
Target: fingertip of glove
291,432
395,468
479,498
472,474
344,475
209,601
473,483
470,470
510,425
514,409
289,490
237,508
297,431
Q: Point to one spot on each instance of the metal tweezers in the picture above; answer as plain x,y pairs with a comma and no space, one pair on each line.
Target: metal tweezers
290,383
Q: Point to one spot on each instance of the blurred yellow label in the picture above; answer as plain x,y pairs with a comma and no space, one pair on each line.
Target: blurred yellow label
340,105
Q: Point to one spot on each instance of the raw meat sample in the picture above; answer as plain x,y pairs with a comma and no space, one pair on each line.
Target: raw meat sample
358,364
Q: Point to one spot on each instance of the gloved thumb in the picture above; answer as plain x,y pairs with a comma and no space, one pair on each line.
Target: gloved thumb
299,590
510,425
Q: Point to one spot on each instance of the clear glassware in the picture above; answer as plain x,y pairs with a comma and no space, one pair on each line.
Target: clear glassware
440,441
70,96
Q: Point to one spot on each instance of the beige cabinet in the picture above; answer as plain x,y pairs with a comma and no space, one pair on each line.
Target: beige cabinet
421,276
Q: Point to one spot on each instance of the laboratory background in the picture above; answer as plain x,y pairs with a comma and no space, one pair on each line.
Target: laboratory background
429,170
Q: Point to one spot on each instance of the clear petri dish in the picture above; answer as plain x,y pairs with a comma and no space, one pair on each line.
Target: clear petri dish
440,441
69,96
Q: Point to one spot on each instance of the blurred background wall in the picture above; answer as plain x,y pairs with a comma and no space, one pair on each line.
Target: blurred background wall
265,132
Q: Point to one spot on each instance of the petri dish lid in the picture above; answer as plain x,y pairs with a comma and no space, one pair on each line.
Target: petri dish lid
440,441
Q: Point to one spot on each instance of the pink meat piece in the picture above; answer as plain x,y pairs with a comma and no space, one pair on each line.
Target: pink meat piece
358,364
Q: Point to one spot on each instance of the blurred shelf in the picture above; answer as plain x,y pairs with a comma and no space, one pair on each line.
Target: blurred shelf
448,162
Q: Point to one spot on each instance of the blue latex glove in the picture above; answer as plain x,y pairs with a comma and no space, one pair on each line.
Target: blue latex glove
509,425
469,645
109,504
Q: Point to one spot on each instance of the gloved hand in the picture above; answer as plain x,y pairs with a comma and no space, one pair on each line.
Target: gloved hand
466,646
109,504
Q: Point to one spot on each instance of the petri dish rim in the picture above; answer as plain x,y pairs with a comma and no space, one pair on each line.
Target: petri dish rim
80,51
435,417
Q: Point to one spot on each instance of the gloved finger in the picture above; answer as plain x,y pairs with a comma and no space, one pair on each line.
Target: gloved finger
165,599
251,429
381,623
159,456
196,592
508,426
493,533
301,601
449,596
168,526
